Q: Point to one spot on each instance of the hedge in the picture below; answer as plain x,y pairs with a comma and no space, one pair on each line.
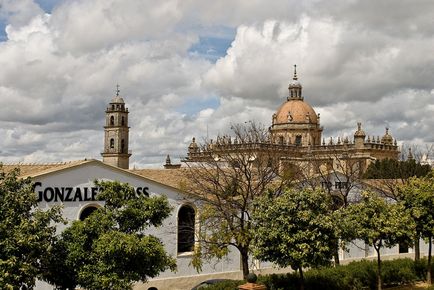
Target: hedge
354,276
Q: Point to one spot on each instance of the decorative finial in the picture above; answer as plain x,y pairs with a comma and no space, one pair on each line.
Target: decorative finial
410,154
387,130
117,90
295,73
359,126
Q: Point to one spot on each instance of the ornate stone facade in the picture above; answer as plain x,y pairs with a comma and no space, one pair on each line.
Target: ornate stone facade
295,136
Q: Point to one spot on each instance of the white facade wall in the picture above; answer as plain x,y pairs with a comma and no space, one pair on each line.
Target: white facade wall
83,176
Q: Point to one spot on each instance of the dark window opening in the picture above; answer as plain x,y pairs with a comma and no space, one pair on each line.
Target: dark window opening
186,224
87,212
112,120
280,139
113,107
341,185
123,121
297,140
122,145
403,248
112,143
326,185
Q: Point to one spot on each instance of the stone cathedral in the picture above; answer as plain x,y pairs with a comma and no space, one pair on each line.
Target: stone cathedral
295,135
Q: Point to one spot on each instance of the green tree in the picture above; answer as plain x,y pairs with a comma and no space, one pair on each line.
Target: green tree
390,174
418,197
378,222
295,229
25,231
109,249
396,169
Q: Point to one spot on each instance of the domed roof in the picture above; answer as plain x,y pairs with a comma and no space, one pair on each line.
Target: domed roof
117,100
359,132
296,110
387,138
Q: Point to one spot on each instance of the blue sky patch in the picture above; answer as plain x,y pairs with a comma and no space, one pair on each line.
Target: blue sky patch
211,47
47,5
192,108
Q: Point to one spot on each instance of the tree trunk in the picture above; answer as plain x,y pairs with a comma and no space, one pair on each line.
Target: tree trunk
336,253
300,269
244,262
379,282
417,248
428,273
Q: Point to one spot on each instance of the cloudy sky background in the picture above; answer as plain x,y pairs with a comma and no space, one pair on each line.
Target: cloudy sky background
192,67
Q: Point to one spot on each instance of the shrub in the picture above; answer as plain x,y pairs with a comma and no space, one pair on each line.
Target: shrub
226,285
287,281
354,276
361,275
397,272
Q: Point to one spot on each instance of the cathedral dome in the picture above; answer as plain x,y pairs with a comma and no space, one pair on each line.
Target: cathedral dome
297,111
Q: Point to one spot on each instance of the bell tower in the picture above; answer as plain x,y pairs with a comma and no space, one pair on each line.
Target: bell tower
116,131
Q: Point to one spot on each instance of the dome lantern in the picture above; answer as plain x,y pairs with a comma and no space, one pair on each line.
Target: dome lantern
295,87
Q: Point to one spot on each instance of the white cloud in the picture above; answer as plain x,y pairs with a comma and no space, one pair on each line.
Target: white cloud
59,71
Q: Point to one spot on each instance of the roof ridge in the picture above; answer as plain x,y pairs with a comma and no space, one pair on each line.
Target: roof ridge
20,163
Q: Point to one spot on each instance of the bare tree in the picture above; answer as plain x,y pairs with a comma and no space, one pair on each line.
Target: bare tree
224,179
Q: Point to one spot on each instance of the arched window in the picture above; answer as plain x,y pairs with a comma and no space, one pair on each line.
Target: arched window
112,120
86,212
112,143
122,146
186,226
123,121
297,140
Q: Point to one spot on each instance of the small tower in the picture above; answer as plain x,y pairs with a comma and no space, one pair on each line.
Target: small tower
359,137
116,130
295,87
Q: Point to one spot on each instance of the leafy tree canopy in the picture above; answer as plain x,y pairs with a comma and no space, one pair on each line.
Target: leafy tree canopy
378,222
396,169
25,231
109,249
295,229
418,197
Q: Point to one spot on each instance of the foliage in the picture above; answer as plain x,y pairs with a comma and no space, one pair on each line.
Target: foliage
396,169
379,223
225,184
109,250
418,197
295,229
25,231
353,276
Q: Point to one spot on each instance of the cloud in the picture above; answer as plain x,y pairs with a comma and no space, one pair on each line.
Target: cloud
19,12
59,71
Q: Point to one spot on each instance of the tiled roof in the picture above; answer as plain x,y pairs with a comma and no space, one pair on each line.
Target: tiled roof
33,169
172,177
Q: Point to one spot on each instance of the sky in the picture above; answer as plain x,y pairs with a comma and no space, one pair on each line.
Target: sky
191,68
